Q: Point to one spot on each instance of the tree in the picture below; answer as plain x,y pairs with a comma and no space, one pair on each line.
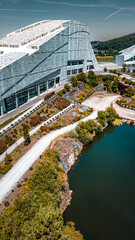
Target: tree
26,137
74,81
67,87
111,115
8,159
102,117
82,77
105,69
130,91
115,85
92,79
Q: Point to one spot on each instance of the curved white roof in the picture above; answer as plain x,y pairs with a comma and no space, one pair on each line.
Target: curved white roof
128,52
27,40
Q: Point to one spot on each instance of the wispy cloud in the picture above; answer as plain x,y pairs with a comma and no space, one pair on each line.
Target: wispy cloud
75,4
112,14
22,10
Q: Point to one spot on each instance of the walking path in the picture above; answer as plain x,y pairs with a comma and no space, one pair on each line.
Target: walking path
21,167
100,101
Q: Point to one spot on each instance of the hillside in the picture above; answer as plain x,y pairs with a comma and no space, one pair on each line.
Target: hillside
116,43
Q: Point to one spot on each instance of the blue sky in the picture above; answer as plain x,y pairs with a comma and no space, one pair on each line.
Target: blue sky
106,18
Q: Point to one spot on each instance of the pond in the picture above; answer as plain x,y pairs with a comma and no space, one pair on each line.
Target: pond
103,182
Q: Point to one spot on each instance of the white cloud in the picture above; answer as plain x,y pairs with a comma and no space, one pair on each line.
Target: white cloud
75,4
22,10
112,14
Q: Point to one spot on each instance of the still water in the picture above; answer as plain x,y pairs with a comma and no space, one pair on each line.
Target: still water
103,182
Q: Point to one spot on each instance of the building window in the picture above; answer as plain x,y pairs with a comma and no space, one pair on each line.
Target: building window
74,71
57,80
68,72
91,67
80,62
43,87
10,102
80,70
33,91
74,63
50,83
22,97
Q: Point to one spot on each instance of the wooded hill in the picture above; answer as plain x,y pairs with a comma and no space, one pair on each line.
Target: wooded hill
116,43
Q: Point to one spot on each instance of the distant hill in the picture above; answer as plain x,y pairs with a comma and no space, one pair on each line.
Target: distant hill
116,43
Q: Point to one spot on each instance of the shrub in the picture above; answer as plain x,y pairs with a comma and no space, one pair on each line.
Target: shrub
6,204
44,128
2,146
35,120
63,104
5,169
18,185
117,122
73,134
57,153
49,95
74,81
60,93
132,123
67,87
77,118
9,140
8,158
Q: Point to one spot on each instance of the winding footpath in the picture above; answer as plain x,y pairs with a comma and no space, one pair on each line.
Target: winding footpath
22,166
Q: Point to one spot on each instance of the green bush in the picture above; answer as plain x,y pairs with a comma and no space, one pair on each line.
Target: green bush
67,87
102,117
99,128
111,115
82,77
8,159
74,81
6,168
92,79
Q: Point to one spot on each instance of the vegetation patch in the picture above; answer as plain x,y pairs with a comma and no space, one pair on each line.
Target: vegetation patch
35,213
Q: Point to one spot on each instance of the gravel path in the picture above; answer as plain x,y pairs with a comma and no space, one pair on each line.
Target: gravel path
21,167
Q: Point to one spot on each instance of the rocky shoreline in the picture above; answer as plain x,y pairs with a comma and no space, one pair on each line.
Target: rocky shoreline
69,149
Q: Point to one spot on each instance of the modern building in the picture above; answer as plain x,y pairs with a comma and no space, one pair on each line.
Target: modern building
127,57
41,56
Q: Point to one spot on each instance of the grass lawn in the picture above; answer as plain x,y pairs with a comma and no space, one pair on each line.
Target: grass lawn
104,59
